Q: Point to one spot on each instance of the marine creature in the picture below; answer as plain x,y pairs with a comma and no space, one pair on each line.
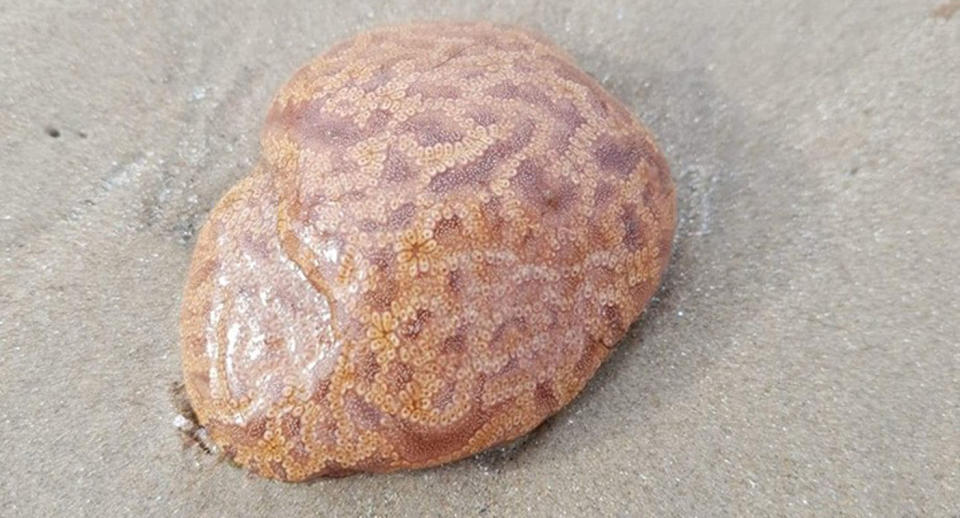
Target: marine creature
449,228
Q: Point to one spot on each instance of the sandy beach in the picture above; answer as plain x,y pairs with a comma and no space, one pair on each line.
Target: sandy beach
801,359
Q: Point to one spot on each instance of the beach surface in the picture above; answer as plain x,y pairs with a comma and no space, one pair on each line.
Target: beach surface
801,359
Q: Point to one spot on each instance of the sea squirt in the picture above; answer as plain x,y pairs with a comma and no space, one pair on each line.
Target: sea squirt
449,228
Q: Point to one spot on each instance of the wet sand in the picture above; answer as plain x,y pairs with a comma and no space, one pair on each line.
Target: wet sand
802,358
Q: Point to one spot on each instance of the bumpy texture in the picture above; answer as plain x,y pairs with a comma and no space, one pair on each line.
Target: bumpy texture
450,227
